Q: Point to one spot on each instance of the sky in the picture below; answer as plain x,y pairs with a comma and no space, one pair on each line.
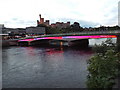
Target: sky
89,13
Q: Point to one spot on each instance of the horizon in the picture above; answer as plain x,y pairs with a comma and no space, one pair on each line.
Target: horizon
94,13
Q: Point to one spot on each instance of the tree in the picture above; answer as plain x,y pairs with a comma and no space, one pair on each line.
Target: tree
102,70
103,66
104,46
76,27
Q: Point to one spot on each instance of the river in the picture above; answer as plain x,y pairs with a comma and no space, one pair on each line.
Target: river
46,67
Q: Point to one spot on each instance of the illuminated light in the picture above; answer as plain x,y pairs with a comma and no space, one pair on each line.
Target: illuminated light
26,40
38,38
61,43
87,37
80,37
53,38
108,36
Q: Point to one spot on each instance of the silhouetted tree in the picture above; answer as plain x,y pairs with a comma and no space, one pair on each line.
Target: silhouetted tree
76,27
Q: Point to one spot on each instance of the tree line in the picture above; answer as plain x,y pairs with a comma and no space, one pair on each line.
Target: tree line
75,27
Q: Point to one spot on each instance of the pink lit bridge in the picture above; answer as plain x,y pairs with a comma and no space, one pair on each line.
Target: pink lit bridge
81,37
69,38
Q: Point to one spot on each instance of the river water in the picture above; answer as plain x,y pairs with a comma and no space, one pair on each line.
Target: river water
46,67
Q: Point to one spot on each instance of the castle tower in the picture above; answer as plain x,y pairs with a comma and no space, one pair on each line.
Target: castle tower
40,16
41,20
38,22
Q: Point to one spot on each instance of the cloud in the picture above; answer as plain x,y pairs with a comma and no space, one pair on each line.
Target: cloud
16,23
25,12
88,24
82,23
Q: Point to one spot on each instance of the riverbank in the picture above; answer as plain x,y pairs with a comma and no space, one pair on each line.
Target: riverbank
12,42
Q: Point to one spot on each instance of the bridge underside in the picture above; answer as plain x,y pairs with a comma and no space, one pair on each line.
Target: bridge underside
35,42
40,42
23,43
80,42
57,42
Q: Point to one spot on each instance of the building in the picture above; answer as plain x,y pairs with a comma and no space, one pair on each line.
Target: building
35,30
60,25
57,24
41,21
119,13
22,31
1,28
47,22
15,31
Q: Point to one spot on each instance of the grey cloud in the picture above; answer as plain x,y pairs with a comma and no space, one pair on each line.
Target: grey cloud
112,17
21,21
82,23
18,21
15,22
113,20
88,23
14,19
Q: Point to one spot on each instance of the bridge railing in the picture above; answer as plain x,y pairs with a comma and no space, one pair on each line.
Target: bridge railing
114,32
85,32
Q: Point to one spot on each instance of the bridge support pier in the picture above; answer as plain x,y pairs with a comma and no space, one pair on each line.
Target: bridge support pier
29,43
118,42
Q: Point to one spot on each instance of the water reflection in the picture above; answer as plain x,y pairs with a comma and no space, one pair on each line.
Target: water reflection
53,51
30,51
45,67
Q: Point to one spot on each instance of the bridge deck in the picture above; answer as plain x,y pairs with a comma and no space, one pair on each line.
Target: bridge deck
69,38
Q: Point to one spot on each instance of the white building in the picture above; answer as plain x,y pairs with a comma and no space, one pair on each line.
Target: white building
1,28
119,13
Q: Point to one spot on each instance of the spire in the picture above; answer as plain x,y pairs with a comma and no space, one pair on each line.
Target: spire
40,16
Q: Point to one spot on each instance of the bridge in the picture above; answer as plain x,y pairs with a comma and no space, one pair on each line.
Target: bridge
73,37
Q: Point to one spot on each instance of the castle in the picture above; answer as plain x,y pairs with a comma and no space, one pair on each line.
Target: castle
47,22
57,24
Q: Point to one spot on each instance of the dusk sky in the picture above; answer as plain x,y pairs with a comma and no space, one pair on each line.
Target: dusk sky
89,13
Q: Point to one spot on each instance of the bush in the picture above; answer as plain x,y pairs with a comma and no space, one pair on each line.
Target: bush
103,66
104,47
